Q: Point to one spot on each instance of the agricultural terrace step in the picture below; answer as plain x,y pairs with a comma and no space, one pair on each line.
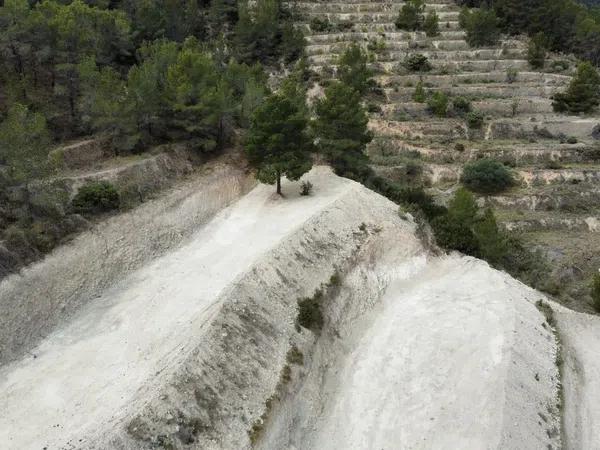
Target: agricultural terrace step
556,222
432,174
439,67
338,48
381,45
579,197
417,130
378,2
545,127
371,17
479,92
449,57
390,37
377,7
384,150
537,177
491,107
546,79
443,173
371,26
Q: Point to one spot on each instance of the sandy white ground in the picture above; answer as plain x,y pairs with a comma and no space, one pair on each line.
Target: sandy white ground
442,366
91,369
580,336
454,355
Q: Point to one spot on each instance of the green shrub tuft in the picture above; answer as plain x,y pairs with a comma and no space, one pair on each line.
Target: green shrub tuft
431,25
96,197
310,315
461,105
487,176
474,120
306,188
438,104
417,63
410,17
419,95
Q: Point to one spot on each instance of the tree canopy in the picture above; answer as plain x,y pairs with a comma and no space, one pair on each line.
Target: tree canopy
277,143
24,144
341,128
583,93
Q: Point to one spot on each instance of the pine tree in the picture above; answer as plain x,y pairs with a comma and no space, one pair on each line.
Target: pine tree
352,69
200,101
583,93
146,89
104,105
492,243
341,129
463,207
277,143
431,25
24,144
454,230
411,16
536,51
482,28
419,95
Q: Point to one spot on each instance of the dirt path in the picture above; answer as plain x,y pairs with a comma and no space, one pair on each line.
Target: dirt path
80,376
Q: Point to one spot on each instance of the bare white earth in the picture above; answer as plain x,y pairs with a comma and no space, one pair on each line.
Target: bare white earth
454,357
192,350
580,336
85,373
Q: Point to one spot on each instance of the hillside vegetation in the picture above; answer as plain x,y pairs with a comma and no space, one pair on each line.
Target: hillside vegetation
402,95
518,113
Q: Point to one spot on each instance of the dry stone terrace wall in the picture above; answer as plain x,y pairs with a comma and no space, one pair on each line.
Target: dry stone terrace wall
555,157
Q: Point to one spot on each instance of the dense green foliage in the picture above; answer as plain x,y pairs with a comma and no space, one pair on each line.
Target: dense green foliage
411,16
454,230
266,34
464,227
96,197
461,105
277,143
310,315
583,93
431,25
417,63
175,92
568,26
353,70
24,145
341,128
481,25
142,71
437,103
419,95
474,120
536,51
486,176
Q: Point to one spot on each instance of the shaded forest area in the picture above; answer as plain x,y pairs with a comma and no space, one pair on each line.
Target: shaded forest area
143,71
567,26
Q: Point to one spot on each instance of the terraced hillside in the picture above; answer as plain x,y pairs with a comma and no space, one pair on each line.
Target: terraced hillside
556,157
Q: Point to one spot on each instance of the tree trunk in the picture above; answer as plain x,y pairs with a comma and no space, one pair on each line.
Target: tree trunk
279,183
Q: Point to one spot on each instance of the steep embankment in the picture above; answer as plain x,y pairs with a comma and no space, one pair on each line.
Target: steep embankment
201,347
47,293
455,356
